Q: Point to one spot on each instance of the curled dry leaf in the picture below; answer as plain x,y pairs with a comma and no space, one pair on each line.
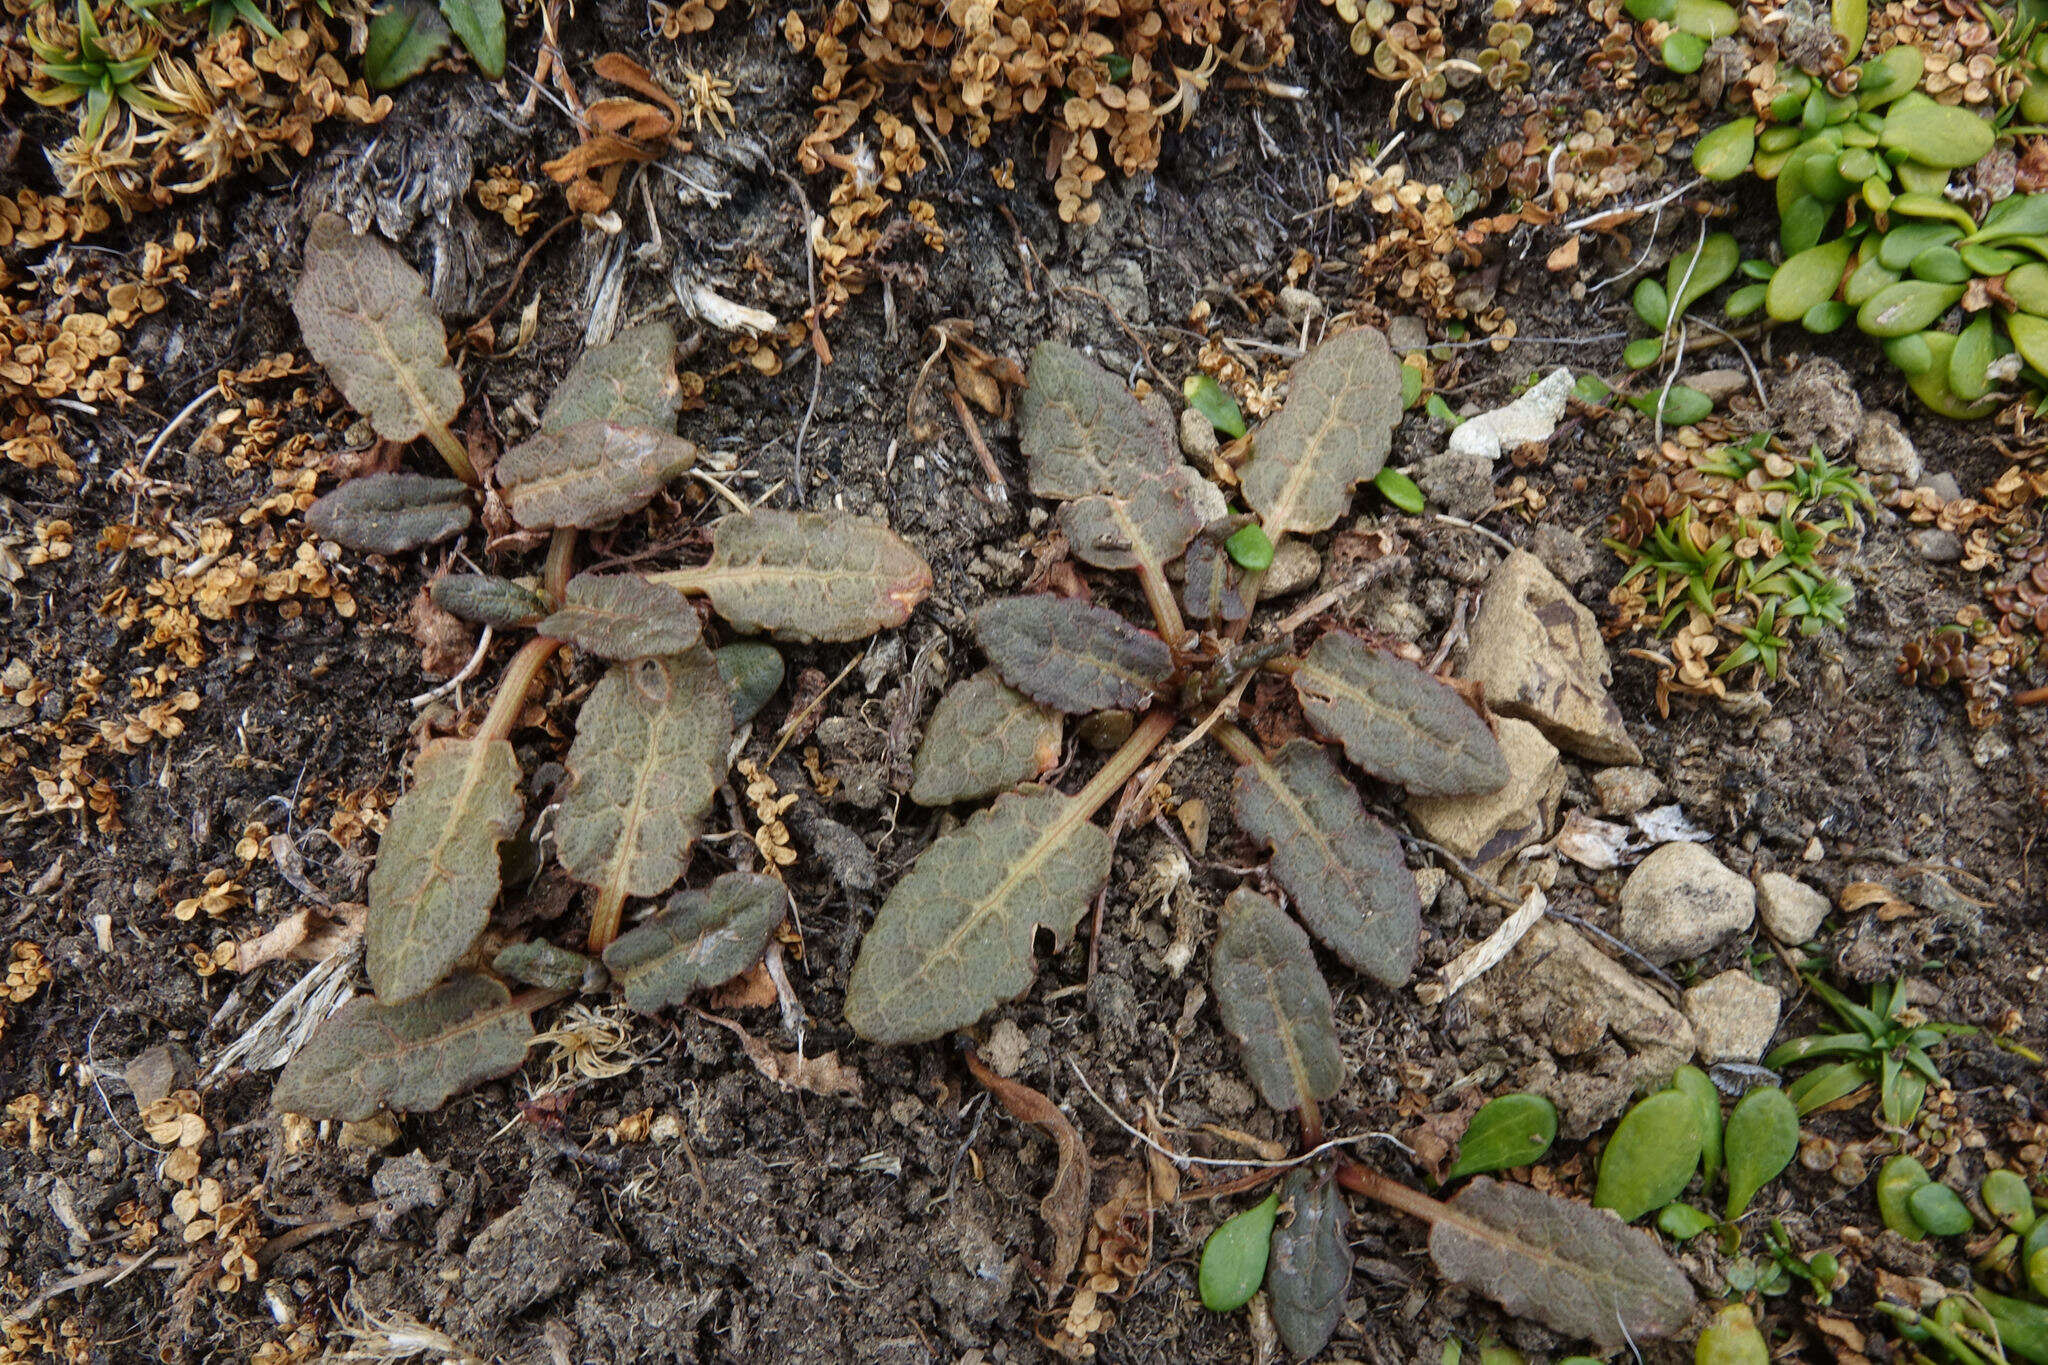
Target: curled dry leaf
623,616
1065,1206
390,514
1309,1267
590,474
366,318
807,576
1275,1003
983,737
630,380
1573,1268
954,939
1396,721
1072,655
487,600
1344,869
409,1057
437,869
1082,432
650,750
703,939
1332,434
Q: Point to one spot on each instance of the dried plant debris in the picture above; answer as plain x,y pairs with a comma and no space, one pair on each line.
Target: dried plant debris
437,870
1309,1266
954,939
984,737
589,474
1332,434
1274,1002
807,577
1396,721
623,616
630,380
703,939
391,514
408,1057
1072,655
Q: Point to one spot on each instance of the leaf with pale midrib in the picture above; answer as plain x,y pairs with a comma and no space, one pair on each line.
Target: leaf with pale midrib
391,514
409,1057
1083,432
366,318
703,939
590,474
623,616
631,380
983,737
808,576
1275,1003
1072,655
1310,1265
1343,401
1396,721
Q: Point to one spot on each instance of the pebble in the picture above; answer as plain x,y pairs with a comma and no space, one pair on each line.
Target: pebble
1406,334
1682,901
1197,436
1460,483
1299,304
1624,791
1790,909
1480,829
1990,748
1733,1017
1942,485
1529,419
1719,385
1296,565
1936,546
1537,651
1882,447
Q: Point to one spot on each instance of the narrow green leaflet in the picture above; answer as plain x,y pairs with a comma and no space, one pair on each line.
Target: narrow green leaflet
590,474
481,26
1275,1003
404,39
1234,1257
752,672
1762,1138
1396,721
1572,1268
366,318
1513,1130
630,380
1333,432
1310,1265
437,868
954,939
623,616
542,964
1207,397
1083,432
983,737
1146,527
649,753
1344,869
409,1057
1072,655
1651,1156
1682,1221
1706,1103
703,939
1692,275
390,514
808,576
487,599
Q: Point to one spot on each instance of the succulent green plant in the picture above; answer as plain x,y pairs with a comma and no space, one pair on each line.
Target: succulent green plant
91,66
1887,1044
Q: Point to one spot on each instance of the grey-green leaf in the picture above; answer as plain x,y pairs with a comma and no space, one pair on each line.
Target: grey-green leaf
1083,432
1762,1138
1350,884
409,1057
1146,525
540,963
1310,1263
481,26
1572,1268
437,868
1651,1156
983,737
1706,1100
1896,1181
366,318
808,576
487,600
630,380
1275,1003
955,938
703,939
589,474
1396,721
405,36
1072,655
1934,134
1213,582
1332,433
1234,1257
623,616
390,514
752,672
1513,1130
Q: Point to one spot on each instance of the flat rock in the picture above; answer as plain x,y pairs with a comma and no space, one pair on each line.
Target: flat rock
1480,829
1935,545
1563,992
1563,553
1883,447
1537,651
1459,482
1198,439
1682,901
1733,1017
1790,909
1295,566
1532,417
1718,385
1626,790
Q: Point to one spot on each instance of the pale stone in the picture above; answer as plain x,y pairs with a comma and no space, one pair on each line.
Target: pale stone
1790,909
1483,828
1626,790
1532,417
1682,901
1537,651
1733,1017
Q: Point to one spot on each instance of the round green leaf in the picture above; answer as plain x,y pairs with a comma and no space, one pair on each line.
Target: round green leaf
1684,52
1652,1155
1940,1210
1851,19
2028,286
1681,406
1642,353
1682,1222
1908,306
1725,153
1234,1257
1801,223
1650,11
1889,75
1762,1139
1937,134
1866,280
2030,339
1914,355
1804,280
1514,1130
1251,548
1692,275
1207,397
1826,317
1695,1083
1896,1181
2005,1193
1411,385
1922,197
403,38
1708,19
1940,265
1652,304
480,24
1976,346
1897,249
1746,300
2034,1257
1902,1097
1398,489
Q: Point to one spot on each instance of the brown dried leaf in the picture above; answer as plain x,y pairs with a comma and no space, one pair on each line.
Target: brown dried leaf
703,939
649,753
1576,1269
623,616
1344,869
1065,1206
630,380
955,938
1275,1003
487,600
1072,655
390,514
409,1057
808,576
306,935
1083,432
1333,432
983,737
437,869
366,318
1396,721
590,474
1309,1266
